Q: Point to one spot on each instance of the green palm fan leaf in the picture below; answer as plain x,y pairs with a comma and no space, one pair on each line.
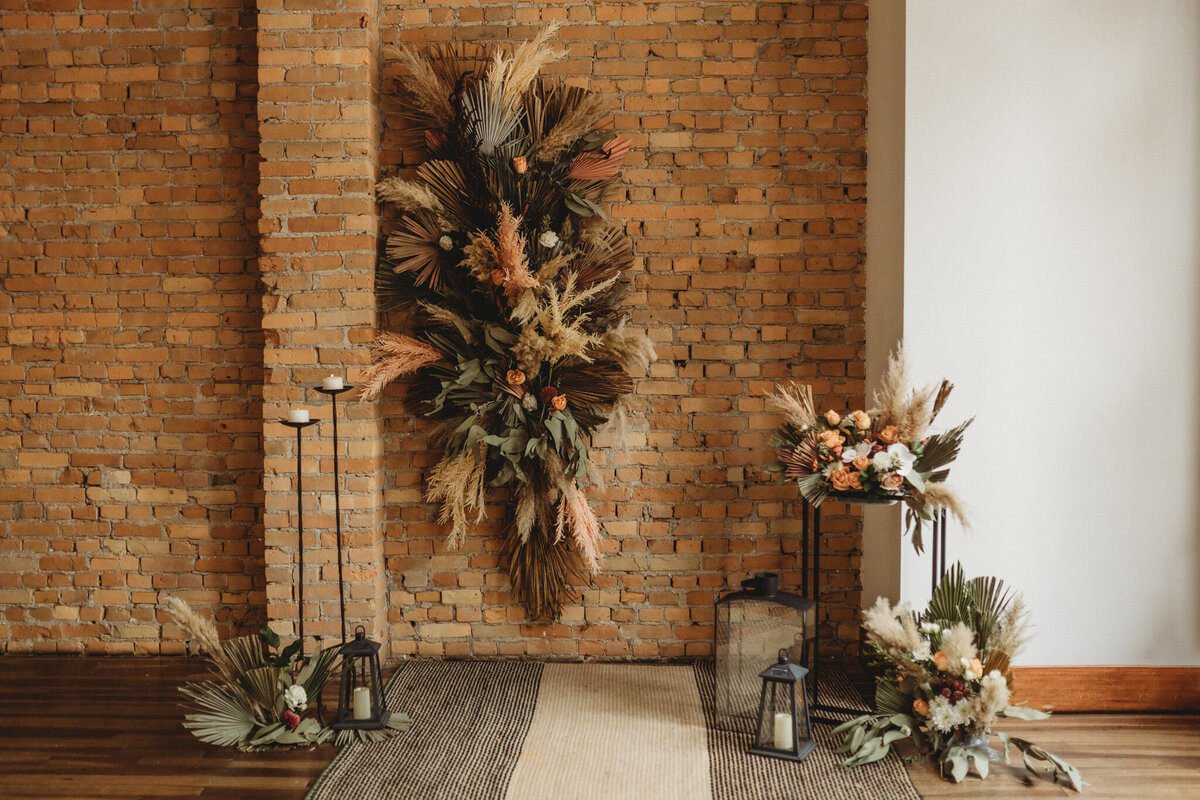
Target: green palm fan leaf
318,671
977,603
225,721
245,652
415,247
449,185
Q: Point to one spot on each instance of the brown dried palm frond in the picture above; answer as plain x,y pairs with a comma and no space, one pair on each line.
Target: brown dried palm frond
395,355
447,318
414,247
540,572
943,394
600,165
801,460
603,258
592,389
457,483
448,184
795,402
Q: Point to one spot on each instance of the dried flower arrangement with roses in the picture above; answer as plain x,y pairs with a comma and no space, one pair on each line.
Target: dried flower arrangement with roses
263,697
945,678
514,278
876,456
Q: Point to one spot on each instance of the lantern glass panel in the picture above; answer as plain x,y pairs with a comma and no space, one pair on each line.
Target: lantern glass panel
752,626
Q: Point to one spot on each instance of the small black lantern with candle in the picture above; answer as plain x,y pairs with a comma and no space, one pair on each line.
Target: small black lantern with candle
360,699
784,728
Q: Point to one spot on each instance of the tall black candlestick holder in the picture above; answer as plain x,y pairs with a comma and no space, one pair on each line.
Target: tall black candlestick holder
337,501
300,426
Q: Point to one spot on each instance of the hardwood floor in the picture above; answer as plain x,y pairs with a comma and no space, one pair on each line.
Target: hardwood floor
77,728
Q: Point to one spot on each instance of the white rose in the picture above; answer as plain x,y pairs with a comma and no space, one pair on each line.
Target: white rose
295,697
446,243
930,627
549,240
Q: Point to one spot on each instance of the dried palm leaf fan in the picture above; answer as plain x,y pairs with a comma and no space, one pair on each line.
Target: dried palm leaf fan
516,279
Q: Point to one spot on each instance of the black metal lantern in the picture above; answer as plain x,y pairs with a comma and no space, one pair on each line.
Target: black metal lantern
784,727
751,627
360,698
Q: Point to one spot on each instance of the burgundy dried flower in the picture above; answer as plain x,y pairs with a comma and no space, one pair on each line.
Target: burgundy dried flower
290,718
548,394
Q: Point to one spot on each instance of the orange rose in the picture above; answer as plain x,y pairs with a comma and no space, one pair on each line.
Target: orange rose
862,420
921,707
498,276
832,417
854,481
841,480
520,165
515,377
977,667
941,661
558,402
888,435
892,482
832,439
861,463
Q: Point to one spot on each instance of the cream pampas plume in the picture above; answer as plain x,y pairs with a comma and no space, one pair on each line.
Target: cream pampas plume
893,629
938,495
958,644
457,483
632,351
795,402
395,355
408,195
511,77
202,631
889,400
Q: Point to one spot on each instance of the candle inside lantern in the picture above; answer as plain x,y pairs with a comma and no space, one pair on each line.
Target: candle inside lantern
362,702
783,731
333,382
298,415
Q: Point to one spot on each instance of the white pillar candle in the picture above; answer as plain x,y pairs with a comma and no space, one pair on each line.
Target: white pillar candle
298,415
333,382
783,731
362,702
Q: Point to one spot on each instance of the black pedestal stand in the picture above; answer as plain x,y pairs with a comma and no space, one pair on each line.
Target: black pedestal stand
337,502
300,426
938,547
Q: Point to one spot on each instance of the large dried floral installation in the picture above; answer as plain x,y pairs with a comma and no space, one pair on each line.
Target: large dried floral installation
514,280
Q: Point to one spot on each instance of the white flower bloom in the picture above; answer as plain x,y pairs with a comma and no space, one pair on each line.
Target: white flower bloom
529,402
549,240
848,455
964,712
930,627
942,715
969,675
897,458
446,243
923,652
295,697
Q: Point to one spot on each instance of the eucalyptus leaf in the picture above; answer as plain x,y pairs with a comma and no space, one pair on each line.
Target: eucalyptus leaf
1024,712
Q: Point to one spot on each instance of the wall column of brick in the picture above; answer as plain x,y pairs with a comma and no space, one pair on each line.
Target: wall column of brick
319,144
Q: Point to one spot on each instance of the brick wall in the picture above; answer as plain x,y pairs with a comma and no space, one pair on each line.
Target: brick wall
136,335
130,342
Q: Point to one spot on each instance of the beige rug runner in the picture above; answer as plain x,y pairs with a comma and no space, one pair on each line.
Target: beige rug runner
621,731
522,731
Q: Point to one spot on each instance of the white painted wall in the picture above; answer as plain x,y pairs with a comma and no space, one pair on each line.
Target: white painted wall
1052,271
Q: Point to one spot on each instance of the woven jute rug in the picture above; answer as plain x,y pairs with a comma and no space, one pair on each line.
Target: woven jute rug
521,731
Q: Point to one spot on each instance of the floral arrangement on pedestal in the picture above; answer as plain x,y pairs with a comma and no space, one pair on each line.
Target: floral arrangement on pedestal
515,279
946,678
263,697
877,456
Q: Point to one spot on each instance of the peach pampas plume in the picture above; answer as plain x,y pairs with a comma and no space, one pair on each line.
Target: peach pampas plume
585,528
508,252
395,355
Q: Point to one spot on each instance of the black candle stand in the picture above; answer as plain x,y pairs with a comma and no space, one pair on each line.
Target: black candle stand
337,501
813,578
300,426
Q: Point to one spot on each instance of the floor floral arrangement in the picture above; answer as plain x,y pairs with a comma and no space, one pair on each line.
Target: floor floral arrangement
263,696
946,678
513,279
877,456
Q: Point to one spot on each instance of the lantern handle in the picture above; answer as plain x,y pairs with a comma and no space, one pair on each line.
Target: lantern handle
360,633
783,656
